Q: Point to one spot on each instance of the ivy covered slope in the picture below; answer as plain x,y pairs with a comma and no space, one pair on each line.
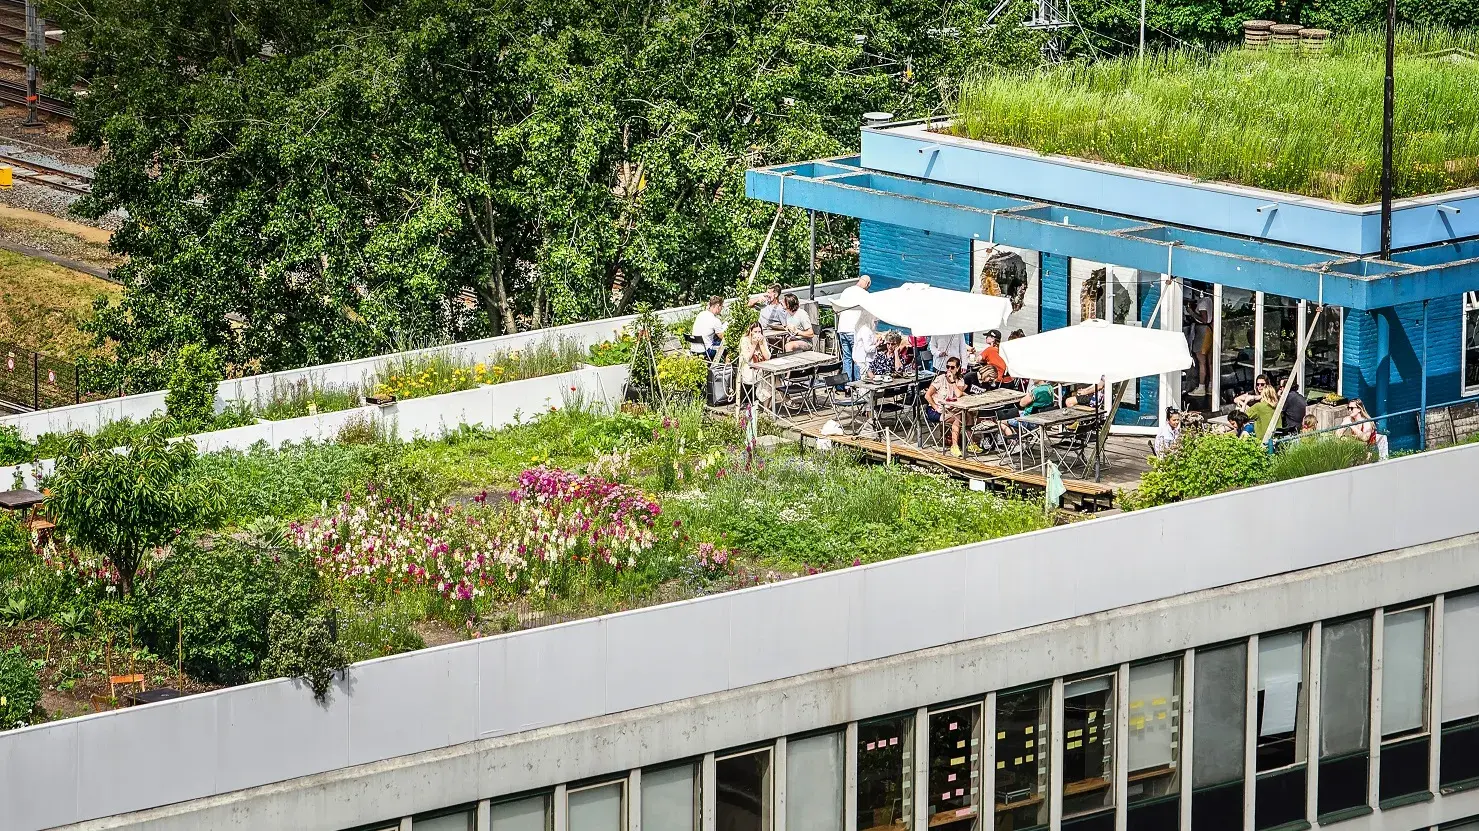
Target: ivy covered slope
1287,122
233,566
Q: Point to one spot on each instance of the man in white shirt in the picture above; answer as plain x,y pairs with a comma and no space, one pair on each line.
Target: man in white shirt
710,328
944,347
847,324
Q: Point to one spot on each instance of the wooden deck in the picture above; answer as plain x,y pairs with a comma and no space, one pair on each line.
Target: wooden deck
1124,462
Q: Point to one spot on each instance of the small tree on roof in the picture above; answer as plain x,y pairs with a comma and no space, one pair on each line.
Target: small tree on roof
121,505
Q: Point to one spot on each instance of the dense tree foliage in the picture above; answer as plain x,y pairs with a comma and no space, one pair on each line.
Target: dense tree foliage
309,180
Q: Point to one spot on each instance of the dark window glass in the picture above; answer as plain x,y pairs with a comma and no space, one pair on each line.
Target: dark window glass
1404,768
954,756
1458,755
743,792
1022,759
1154,815
1279,799
1088,755
885,753
1102,821
1218,808
1342,783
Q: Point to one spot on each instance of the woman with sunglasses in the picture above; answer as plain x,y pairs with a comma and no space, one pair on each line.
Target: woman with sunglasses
940,399
1366,430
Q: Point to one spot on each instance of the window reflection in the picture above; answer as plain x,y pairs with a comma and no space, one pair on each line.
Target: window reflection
742,785
1280,334
1088,748
1322,352
1239,327
885,757
1022,759
954,768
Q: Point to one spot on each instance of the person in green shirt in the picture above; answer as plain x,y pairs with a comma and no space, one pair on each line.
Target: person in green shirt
1262,412
1040,396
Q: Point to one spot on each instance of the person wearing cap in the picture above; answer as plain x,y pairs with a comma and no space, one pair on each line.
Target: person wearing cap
990,369
1169,432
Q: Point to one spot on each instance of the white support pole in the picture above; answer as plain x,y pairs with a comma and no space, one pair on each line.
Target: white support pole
1055,761
988,762
921,768
485,815
1312,755
634,800
1435,695
1188,711
1121,749
850,777
561,818
1378,640
1250,735
708,792
778,785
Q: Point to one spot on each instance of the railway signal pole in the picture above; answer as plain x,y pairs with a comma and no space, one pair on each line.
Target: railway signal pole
35,42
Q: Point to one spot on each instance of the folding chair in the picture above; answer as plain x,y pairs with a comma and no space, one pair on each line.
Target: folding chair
1071,445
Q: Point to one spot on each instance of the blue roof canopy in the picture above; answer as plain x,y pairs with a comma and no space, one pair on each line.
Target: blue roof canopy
842,186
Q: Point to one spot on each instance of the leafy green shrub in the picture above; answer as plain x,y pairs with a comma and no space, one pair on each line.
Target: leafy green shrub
192,385
1201,464
15,544
373,629
359,429
1309,456
612,352
648,335
286,482
14,450
307,647
218,603
682,374
20,689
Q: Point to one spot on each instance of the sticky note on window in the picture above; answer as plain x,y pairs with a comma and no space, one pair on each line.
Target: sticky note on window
1073,734
1137,723
1093,714
954,725
872,745
1001,765
1017,761
950,778
1002,734
960,744
1029,743
1075,745
893,741
1135,705
1029,757
945,795
1028,730
1160,716
1093,730
958,760
1157,702
960,791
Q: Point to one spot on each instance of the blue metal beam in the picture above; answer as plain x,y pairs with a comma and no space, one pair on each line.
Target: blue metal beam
1287,270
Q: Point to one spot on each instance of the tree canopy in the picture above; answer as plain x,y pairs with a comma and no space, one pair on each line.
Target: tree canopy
311,180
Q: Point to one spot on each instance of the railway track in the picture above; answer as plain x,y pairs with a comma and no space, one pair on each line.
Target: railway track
69,181
13,92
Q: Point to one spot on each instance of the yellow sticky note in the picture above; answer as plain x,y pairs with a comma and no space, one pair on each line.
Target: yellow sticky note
1093,714
1001,765
1003,734
1156,702
1029,757
958,760
1093,730
960,744
1137,723
1161,714
1029,743
1073,734
1074,745
1135,705
1028,730
1017,761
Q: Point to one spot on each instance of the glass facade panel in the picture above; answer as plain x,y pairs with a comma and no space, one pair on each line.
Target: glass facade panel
1280,334
742,791
1322,352
1282,701
1022,759
1220,715
1237,350
597,808
670,798
1154,729
528,814
460,821
1404,673
885,773
1471,343
1198,321
814,787
954,795
1088,745
1460,657
1345,687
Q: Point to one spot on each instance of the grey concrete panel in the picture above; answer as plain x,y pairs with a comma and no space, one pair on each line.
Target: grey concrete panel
907,604
273,731
413,702
667,652
155,755
785,630
29,797
567,663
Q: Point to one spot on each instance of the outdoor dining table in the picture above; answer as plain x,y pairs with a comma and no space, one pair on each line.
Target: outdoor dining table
985,401
1041,422
786,364
877,386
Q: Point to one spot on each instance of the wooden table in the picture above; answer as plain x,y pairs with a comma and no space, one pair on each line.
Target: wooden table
1041,421
990,400
787,363
874,387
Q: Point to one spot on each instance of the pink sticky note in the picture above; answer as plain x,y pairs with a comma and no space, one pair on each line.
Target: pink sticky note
954,724
945,795
960,791
950,778
893,741
872,745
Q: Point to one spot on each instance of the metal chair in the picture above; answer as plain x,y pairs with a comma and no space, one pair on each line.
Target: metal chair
1071,445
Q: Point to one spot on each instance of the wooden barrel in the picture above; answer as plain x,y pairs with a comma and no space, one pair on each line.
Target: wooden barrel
1285,37
1312,41
1256,33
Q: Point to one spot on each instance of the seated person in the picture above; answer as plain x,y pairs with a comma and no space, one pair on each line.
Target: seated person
1040,396
1263,412
801,335
1248,399
1169,432
942,392
901,353
1085,397
1357,425
1309,425
1241,426
772,313
881,359
989,370
710,328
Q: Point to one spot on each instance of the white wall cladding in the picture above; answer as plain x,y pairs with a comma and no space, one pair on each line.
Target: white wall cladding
258,389
210,744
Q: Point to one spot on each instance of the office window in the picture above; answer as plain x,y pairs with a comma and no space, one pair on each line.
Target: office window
1470,353
1280,334
532,813
954,795
742,784
1154,739
814,787
1458,763
1220,688
1322,356
596,808
885,773
1404,704
1022,759
463,820
1345,715
1088,745
1282,721
670,798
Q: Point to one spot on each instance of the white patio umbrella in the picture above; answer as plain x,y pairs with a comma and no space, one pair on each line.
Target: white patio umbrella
929,310
1095,351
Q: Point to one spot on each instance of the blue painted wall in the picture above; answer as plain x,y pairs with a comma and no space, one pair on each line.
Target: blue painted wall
894,255
1147,412
1054,314
1402,364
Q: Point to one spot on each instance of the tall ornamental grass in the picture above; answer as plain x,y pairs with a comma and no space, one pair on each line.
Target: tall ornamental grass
1283,121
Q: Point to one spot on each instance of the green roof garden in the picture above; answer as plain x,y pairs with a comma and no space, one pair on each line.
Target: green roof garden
1306,124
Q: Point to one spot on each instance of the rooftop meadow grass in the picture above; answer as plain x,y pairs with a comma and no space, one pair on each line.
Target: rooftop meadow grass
1287,122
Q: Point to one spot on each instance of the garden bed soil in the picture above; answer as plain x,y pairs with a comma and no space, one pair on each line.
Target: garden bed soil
75,668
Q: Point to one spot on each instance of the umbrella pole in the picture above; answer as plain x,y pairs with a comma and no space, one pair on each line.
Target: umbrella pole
1294,378
1114,406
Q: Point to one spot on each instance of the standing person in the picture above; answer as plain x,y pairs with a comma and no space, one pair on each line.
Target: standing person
752,350
1262,412
990,370
945,347
799,325
939,400
864,347
848,321
1295,405
709,327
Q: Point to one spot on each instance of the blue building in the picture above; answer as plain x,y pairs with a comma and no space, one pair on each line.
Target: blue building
1246,273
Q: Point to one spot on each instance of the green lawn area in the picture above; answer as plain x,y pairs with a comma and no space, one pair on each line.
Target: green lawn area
41,304
1284,121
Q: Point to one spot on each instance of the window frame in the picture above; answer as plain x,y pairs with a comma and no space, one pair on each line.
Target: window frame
626,798
1469,305
1109,726
1426,729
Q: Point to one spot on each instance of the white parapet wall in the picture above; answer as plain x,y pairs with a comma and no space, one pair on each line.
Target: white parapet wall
489,407
435,699
259,389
